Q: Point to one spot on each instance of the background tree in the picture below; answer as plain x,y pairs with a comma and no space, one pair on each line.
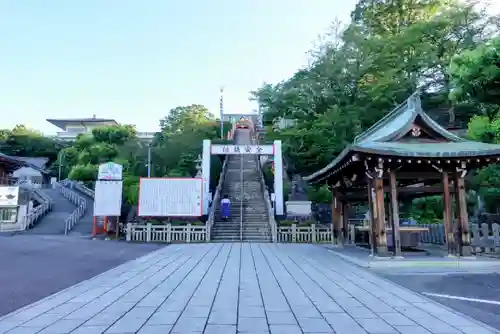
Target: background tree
360,72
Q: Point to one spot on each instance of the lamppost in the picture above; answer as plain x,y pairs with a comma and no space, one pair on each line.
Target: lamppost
60,157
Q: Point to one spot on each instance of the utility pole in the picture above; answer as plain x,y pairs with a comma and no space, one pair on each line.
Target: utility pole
60,156
221,108
149,159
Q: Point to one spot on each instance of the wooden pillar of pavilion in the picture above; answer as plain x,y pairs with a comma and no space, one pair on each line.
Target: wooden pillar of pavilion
394,205
447,215
345,222
372,215
336,219
462,217
379,226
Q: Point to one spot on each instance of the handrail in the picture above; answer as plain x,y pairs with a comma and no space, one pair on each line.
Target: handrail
39,211
79,201
241,197
84,189
216,199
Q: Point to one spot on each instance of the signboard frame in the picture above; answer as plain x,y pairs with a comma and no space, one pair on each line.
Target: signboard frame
169,214
102,206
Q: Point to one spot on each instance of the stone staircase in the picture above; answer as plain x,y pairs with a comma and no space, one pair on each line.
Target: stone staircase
249,217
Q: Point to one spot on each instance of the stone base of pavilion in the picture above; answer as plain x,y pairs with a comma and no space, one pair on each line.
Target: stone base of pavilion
411,261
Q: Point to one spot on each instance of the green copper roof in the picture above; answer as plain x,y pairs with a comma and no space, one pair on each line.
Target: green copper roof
383,139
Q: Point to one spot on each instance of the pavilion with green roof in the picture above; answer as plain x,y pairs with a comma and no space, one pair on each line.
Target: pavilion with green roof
404,149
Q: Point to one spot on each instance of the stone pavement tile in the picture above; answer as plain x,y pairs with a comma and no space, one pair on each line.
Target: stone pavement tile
223,317
156,329
25,330
62,326
361,312
438,327
412,330
187,325
314,325
102,319
252,325
348,302
306,312
277,306
65,308
281,318
328,307
90,330
474,330
396,319
342,323
42,320
220,329
196,311
251,312
285,329
376,326
163,318
443,314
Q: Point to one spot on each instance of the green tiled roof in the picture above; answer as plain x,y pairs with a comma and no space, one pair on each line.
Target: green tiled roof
382,138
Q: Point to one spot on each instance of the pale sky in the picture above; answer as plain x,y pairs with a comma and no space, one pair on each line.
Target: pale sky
134,60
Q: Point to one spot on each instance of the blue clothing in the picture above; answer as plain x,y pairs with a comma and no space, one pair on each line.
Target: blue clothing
225,205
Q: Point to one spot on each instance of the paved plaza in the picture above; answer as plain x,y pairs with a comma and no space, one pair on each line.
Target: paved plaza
238,288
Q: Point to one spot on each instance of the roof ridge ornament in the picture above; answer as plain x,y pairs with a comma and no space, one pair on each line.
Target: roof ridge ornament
414,101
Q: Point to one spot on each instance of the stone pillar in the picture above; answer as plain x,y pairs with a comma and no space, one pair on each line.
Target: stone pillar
278,179
396,233
380,231
447,215
205,173
462,217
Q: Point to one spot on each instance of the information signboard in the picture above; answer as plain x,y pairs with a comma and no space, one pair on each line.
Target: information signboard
108,198
9,196
110,171
170,197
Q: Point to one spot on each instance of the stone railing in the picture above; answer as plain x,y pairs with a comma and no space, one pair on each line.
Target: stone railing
484,237
305,234
73,197
84,189
215,200
166,233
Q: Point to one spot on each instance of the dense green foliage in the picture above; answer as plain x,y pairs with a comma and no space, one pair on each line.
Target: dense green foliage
446,49
174,151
